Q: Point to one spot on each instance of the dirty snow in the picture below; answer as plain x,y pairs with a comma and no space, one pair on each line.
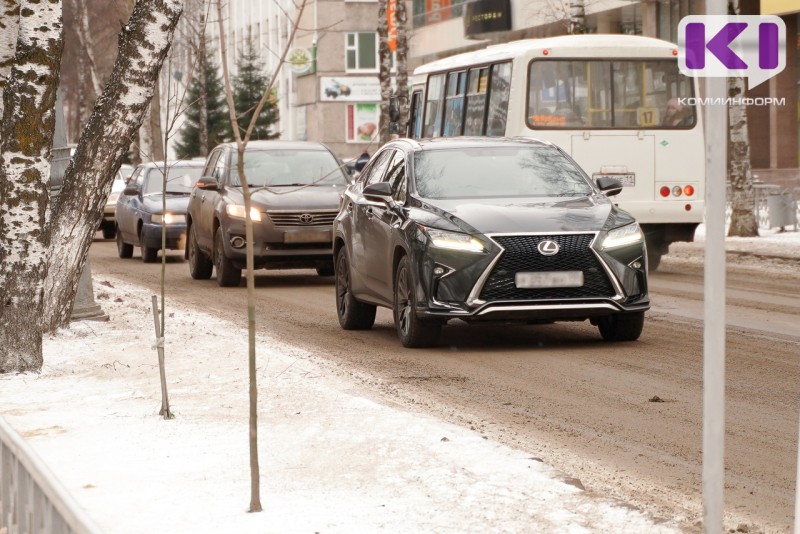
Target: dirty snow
330,459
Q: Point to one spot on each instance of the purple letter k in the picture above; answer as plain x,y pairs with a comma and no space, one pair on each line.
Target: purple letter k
718,45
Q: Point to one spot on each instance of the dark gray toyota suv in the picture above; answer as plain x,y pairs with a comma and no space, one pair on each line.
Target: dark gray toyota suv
483,229
296,188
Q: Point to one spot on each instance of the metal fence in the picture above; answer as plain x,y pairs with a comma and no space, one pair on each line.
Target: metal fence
32,501
770,198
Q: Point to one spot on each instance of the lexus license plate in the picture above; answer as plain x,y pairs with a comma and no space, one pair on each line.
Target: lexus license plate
627,179
549,279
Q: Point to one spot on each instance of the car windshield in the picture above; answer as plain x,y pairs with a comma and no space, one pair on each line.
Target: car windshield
180,180
497,172
275,168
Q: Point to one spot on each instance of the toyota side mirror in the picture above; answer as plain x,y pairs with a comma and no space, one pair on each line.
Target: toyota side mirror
130,190
208,183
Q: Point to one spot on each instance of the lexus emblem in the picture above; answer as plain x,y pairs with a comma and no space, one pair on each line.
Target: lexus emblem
548,248
306,218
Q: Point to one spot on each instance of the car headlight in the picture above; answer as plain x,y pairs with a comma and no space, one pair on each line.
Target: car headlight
453,240
236,210
168,218
623,236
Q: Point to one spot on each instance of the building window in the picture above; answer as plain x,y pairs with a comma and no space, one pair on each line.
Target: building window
361,52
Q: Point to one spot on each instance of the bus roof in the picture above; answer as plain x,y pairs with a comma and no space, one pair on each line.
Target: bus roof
590,45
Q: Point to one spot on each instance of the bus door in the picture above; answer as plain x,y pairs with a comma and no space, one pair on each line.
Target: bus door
415,115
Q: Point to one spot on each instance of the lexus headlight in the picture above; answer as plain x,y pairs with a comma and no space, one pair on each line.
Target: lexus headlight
623,236
453,240
168,218
236,210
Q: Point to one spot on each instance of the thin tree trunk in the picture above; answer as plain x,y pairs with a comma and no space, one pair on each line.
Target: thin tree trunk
87,45
202,131
146,136
27,136
743,203
241,145
85,94
156,133
143,46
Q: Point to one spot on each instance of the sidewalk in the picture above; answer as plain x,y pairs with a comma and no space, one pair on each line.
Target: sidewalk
330,459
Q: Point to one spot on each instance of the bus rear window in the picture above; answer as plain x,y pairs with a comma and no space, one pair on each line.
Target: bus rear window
608,94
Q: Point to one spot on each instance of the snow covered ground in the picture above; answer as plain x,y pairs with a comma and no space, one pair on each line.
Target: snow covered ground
331,460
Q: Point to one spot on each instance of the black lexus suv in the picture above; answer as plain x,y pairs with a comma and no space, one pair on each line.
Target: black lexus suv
485,229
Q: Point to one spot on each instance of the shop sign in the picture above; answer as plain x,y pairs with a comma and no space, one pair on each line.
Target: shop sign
350,89
486,16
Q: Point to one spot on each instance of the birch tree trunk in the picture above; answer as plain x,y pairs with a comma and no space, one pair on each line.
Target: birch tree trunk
118,113
743,201
402,64
9,27
26,140
577,17
384,74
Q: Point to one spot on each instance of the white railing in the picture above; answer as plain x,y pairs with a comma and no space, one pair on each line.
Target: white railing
762,192
32,501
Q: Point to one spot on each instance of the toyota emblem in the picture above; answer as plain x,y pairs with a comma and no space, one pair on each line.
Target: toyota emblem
306,218
548,247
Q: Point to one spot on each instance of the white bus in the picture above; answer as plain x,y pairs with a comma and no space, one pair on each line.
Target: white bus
616,103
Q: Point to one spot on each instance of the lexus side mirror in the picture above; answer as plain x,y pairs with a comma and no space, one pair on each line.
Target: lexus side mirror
609,186
380,192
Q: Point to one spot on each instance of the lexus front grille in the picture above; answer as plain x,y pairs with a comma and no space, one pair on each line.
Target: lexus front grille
522,255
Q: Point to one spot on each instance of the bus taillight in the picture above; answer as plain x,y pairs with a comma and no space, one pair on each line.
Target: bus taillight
677,190
688,190
665,191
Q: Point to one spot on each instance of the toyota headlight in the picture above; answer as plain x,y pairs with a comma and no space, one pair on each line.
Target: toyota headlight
623,236
453,240
168,218
237,211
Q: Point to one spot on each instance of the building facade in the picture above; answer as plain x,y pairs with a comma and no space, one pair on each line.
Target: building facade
329,91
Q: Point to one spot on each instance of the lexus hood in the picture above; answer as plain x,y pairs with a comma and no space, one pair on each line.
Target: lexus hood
515,215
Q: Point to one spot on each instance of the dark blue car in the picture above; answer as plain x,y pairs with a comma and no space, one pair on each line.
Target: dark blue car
140,212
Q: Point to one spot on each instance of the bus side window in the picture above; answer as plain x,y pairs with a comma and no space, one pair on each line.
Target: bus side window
476,101
415,117
434,106
454,104
499,88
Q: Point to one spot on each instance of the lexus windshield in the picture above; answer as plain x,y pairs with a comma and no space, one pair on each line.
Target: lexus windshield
497,172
